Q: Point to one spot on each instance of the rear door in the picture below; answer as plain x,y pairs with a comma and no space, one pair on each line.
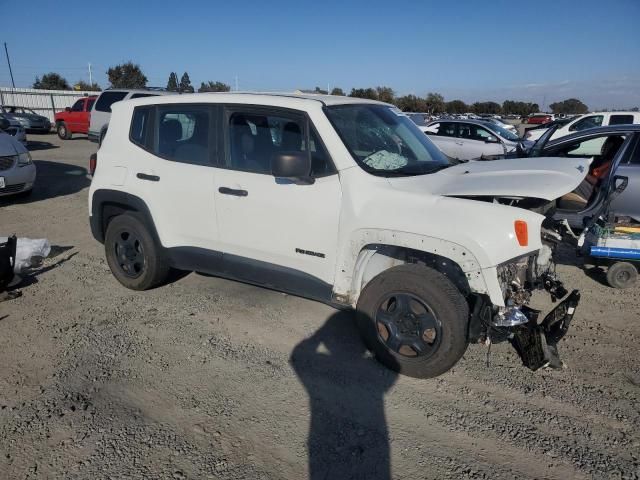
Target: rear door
444,136
176,172
274,231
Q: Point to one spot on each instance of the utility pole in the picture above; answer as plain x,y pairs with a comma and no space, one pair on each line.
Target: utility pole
9,63
90,77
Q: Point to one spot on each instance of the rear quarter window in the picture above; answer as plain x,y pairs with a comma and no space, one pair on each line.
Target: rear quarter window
140,126
107,99
621,120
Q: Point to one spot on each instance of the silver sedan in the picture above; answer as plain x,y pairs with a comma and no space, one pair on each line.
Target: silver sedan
17,171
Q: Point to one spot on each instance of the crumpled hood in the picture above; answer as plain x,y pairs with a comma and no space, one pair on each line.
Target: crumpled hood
546,178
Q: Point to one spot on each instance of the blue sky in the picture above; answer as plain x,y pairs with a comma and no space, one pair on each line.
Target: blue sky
535,50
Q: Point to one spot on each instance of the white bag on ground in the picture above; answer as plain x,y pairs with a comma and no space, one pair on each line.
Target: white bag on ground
30,252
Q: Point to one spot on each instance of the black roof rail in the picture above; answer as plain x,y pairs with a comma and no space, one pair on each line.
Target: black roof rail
156,89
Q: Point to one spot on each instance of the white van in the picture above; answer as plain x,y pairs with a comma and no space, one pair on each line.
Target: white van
101,110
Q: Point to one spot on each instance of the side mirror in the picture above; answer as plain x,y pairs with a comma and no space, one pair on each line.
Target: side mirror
4,124
67,109
294,166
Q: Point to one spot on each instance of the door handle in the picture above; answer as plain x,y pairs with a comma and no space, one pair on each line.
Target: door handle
145,176
459,143
231,191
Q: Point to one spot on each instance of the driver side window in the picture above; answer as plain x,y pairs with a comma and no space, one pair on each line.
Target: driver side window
78,106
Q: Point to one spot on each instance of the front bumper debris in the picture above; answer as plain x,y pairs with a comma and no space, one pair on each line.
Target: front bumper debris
536,343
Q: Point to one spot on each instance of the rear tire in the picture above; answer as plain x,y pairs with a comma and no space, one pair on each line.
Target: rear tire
622,275
63,131
414,320
133,256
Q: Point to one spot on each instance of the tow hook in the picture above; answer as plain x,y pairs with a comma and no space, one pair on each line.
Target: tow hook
538,344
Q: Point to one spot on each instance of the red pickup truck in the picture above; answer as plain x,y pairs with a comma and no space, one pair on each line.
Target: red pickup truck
75,119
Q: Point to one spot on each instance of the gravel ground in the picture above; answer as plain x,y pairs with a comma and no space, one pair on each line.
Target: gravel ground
208,378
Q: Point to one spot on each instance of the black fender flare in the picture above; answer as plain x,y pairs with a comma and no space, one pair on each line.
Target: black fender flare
107,204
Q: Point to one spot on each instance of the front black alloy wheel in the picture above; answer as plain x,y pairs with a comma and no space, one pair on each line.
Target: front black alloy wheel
407,326
414,320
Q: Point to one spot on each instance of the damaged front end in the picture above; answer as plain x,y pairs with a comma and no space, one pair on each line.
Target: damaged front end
535,341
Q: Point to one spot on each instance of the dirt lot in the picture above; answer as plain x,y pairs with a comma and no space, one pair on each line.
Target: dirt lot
207,378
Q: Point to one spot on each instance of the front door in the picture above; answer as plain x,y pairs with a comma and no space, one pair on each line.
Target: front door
275,231
478,142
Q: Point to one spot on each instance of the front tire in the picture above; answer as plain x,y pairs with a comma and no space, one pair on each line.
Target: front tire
414,320
63,131
133,256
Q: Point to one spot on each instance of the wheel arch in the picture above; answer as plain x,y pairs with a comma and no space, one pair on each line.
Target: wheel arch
386,249
107,204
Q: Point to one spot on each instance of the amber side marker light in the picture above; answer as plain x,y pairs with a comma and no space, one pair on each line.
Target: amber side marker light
522,233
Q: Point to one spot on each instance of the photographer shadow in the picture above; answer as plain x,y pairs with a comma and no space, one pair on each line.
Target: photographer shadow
348,433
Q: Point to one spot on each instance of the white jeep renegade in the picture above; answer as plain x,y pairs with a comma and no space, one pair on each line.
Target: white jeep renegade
341,200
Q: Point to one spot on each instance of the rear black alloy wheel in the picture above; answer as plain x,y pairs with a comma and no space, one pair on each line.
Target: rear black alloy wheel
407,326
130,254
134,257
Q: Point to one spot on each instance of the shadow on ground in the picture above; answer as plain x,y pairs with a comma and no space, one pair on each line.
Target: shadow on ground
53,180
38,145
348,433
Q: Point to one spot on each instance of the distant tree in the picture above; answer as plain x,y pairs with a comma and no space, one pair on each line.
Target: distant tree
87,87
214,87
185,84
570,105
411,103
635,109
386,94
172,83
368,93
320,91
512,107
486,107
435,102
127,75
337,91
456,106
51,81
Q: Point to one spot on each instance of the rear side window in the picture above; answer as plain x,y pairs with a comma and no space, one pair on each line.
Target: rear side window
90,103
183,133
139,133
621,120
107,99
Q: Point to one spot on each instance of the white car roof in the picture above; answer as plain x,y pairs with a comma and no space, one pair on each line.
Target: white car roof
284,99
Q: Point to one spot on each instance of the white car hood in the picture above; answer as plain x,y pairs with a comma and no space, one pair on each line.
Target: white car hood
545,178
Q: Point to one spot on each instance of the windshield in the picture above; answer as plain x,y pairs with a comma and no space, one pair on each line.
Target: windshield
384,141
503,132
